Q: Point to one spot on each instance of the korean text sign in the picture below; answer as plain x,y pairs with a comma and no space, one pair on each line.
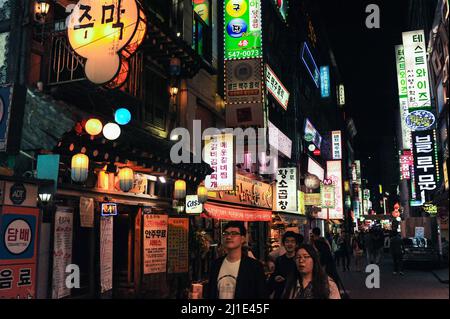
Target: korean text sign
18,249
276,88
242,29
177,246
325,81
425,164
334,173
403,94
286,190
98,30
415,51
218,153
155,243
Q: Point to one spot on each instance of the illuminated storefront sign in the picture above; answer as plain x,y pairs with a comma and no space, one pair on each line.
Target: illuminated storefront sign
416,70
247,191
243,81
218,153
406,162
193,206
310,64
334,173
109,209
315,169
201,7
420,120
311,134
426,171
341,94
243,29
403,95
286,190
276,88
325,81
301,203
106,33
279,140
336,138
327,191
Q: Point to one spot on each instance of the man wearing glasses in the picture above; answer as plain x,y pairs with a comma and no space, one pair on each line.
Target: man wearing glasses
236,276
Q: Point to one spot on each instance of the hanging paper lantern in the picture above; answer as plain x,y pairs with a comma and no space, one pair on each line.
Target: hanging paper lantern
179,191
93,127
80,168
126,179
111,131
202,194
122,116
103,180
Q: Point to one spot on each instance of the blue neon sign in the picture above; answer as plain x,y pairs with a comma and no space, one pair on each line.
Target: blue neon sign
310,64
325,81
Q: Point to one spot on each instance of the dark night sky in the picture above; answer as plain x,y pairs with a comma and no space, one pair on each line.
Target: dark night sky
366,60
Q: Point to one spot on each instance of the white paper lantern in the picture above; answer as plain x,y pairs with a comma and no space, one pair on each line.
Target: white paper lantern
111,131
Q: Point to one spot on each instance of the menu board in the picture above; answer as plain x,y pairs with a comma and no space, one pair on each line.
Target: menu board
106,253
155,243
177,246
62,251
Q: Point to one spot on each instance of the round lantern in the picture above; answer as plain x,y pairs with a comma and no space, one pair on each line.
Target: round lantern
80,168
202,194
126,178
93,127
111,131
312,181
122,116
179,191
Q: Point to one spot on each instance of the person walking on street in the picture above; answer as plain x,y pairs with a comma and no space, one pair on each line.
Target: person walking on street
344,251
369,246
284,265
310,281
236,276
397,252
357,251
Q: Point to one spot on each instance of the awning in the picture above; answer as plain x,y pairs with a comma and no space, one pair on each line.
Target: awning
230,212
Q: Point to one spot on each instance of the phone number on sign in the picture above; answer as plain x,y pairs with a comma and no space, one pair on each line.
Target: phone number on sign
244,54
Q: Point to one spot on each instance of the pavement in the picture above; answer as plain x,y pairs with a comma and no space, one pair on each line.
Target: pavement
441,275
415,284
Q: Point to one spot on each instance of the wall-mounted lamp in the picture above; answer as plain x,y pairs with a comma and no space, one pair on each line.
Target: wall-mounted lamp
173,91
41,9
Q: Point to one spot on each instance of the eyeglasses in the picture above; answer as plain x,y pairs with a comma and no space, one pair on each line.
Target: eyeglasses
231,233
305,257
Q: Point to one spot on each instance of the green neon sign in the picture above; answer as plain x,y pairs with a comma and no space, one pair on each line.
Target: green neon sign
242,29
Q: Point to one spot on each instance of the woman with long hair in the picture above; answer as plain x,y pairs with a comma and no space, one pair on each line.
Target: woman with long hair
310,281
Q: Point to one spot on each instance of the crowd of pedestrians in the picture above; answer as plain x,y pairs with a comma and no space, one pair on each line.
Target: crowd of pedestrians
300,268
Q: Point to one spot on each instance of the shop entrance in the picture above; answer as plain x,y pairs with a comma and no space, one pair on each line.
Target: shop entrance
123,247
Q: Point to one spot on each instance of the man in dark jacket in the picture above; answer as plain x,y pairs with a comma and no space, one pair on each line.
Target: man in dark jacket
236,276
285,265
397,251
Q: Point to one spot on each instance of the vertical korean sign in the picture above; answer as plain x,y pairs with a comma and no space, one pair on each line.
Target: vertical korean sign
406,162
403,95
416,70
286,197
334,173
426,173
18,249
336,137
155,243
327,192
218,153
243,29
177,246
62,251
106,253
325,81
